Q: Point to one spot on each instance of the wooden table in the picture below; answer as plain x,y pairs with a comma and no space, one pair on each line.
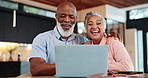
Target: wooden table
94,76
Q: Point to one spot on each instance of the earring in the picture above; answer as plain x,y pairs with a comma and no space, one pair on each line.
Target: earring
104,34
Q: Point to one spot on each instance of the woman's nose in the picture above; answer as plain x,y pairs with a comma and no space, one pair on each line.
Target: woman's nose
94,26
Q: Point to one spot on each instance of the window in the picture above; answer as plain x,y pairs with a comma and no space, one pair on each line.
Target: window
115,26
8,4
38,11
81,27
28,9
138,13
140,50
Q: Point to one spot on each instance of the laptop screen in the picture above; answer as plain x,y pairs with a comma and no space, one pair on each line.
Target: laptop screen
81,60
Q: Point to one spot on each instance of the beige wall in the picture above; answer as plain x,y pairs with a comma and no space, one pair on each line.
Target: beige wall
81,14
131,45
107,11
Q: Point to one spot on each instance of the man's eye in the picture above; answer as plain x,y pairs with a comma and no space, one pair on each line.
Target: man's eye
72,17
62,16
90,24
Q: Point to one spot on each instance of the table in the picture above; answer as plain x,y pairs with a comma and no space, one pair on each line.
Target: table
94,76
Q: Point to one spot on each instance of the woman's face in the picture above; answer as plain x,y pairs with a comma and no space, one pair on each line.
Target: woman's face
95,28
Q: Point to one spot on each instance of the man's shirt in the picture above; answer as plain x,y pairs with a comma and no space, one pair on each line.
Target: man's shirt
43,45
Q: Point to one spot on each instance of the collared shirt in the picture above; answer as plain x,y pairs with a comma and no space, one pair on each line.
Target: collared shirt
43,45
118,57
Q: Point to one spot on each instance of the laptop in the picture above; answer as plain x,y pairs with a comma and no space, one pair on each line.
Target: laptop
81,60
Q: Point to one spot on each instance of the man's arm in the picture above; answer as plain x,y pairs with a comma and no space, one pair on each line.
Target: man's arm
38,66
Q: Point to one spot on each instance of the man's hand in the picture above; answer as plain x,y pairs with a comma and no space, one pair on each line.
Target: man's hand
115,35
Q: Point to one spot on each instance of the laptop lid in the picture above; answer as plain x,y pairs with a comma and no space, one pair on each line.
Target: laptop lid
81,60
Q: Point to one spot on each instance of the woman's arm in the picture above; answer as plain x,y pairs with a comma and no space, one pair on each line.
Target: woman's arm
120,57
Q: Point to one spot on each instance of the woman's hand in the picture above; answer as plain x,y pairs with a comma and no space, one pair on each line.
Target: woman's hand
115,35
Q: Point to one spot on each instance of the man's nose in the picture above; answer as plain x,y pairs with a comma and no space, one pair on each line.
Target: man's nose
67,19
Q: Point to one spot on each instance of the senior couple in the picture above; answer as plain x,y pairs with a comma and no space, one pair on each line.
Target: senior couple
42,60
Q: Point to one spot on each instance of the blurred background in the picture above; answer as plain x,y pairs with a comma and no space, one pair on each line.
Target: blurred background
22,20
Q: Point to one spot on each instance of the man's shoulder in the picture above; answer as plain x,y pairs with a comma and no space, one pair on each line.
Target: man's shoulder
46,32
43,36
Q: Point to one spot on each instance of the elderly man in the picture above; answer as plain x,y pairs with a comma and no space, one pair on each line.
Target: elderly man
42,60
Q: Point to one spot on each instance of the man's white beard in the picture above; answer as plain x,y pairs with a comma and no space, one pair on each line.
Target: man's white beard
65,33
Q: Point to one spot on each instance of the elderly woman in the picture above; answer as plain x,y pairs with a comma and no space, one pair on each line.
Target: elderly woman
118,58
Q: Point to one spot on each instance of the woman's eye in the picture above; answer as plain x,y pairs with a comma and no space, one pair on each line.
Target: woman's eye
98,23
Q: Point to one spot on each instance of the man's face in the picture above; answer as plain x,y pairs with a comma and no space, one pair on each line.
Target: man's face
66,19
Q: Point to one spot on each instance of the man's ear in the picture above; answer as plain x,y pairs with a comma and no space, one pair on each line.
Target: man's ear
76,19
56,16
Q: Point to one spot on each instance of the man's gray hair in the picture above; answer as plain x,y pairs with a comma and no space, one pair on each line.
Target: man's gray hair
89,14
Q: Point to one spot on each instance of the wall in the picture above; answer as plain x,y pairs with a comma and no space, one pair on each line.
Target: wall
81,14
131,45
105,10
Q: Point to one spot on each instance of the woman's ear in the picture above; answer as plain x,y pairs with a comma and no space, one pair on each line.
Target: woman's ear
85,27
103,30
